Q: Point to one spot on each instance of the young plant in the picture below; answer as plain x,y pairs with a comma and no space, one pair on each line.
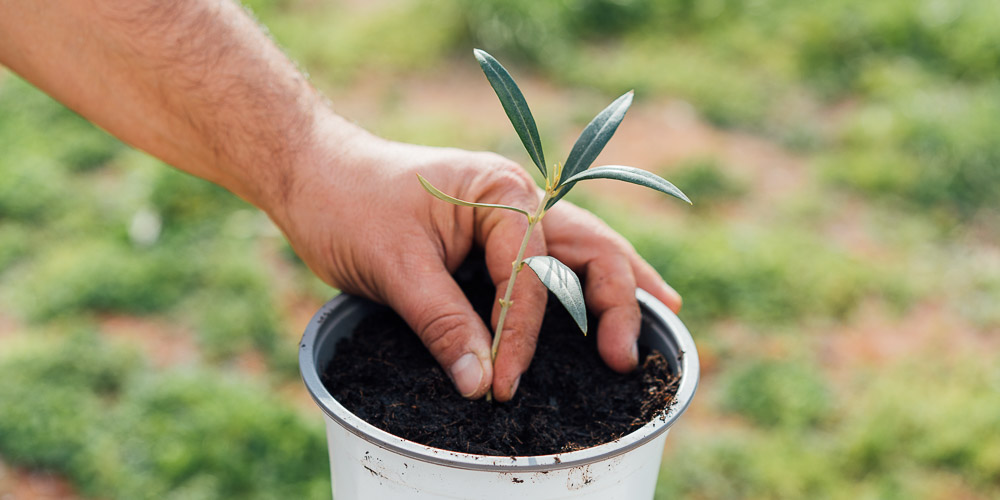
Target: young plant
556,276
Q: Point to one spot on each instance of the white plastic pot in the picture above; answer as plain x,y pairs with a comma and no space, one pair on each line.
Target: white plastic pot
369,463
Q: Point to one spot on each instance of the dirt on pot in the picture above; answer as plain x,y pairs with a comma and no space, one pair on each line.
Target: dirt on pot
567,400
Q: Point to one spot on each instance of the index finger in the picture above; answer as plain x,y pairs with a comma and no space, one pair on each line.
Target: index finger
519,334
503,236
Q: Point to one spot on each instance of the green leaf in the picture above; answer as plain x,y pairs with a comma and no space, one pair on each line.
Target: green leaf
627,174
450,199
514,104
595,136
563,283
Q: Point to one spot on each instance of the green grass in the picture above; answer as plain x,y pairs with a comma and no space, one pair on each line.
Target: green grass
893,106
761,276
29,121
777,394
907,430
69,250
341,46
98,415
710,182
99,276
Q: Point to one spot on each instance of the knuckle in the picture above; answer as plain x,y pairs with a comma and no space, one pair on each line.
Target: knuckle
515,172
507,179
443,331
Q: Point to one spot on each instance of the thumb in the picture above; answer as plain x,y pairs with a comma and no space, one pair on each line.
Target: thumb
436,309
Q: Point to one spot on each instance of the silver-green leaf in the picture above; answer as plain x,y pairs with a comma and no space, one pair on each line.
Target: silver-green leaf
563,283
514,105
627,174
451,199
595,136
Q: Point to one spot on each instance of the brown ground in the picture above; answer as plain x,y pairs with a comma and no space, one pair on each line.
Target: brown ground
18,483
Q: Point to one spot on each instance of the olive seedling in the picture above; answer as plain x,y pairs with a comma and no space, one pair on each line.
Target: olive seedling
556,276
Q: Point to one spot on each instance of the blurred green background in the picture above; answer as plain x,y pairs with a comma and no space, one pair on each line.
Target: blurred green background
840,267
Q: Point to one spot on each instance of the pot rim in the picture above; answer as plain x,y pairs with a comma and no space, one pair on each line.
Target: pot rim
689,373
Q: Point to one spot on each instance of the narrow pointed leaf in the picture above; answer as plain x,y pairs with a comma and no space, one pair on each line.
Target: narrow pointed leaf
563,283
514,105
451,199
595,136
627,174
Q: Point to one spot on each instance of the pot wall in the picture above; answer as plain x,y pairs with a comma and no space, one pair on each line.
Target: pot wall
368,463
361,470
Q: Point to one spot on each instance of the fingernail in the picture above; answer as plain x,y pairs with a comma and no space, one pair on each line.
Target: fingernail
467,373
635,354
513,387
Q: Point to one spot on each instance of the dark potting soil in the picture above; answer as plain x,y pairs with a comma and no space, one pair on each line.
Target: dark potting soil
567,400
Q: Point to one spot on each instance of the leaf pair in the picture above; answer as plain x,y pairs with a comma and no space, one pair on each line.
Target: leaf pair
587,147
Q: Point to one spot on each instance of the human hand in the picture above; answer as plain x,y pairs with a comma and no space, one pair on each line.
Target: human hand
349,202
362,222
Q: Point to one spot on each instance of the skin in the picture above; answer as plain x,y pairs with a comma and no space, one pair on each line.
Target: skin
197,84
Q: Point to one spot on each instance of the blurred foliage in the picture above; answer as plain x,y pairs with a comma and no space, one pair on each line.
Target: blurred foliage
186,203
759,276
927,147
975,286
51,400
729,464
93,412
100,276
777,394
340,46
707,180
167,242
843,40
15,243
919,416
29,121
901,431
749,64
894,105
31,188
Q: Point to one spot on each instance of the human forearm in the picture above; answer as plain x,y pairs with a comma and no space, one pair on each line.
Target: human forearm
193,82
199,85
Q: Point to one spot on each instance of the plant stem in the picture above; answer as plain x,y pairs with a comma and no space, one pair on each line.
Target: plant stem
516,266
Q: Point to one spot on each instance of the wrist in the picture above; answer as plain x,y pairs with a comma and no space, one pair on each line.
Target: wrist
329,146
